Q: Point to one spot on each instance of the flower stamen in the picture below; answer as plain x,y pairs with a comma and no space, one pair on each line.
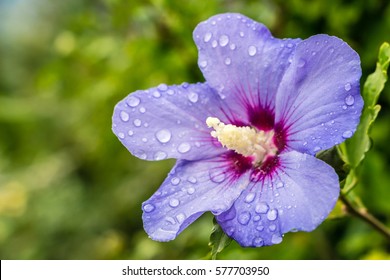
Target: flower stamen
244,140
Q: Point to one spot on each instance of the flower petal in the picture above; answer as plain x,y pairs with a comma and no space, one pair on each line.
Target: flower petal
242,61
191,188
319,102
168,122
298,196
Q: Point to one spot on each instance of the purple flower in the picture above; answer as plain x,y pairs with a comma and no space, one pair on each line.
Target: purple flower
245,140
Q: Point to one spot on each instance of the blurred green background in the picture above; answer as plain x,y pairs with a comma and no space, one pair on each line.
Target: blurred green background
70,190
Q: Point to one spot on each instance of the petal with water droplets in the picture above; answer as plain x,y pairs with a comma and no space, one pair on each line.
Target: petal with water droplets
319,101
186,194
168,122
310,191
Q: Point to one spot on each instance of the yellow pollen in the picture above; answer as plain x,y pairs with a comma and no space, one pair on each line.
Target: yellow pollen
244,140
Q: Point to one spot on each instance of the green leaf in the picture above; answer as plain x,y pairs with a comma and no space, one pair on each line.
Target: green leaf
354,149
218,240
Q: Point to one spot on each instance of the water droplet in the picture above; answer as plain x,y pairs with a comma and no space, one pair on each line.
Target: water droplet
214,44
217,176
347,87
124,116
133,101
250,197
137,122
171,92
223,40
175,181
192,179
184,147
301,63
162,87
276,238
317,149
260,228
244,218
143,156
180,217
347,134
121,135
142,110
279,185
163,135
349,100
261,208
130,133
256,218
207,37
289,45
272,214
170,220
228,61
242,34
148,208
190,190
160,155
331,50
193,96
174,202
203,63
252,50
272,227
232,46
144,139
258,242
156,94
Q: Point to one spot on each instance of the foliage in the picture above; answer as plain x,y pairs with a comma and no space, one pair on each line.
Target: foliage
68,188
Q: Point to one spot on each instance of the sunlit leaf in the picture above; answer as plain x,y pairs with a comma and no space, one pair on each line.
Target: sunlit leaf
218,240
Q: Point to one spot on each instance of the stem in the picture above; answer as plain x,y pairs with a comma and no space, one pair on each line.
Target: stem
362,214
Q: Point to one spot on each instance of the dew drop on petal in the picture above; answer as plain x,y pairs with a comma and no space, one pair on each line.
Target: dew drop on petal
214,44
163,136
258,242
171,92
261,208
162,87
192,179
317,149
217,176
184,147
130,133
137,122
124,116
272,227
347,87
279,185
349,100
272,214
142,110
250,197
232,46
160,155
193,97
252,50
244,218
276,238
121,135
148,208
133,101
144,139
190,190
242,34
174,202
156,94
260,228
223,40
347,134
175,181
180,217
301,62
207,37
228,61
256,218
203,63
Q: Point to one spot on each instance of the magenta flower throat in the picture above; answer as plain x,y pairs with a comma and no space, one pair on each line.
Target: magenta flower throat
245,140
